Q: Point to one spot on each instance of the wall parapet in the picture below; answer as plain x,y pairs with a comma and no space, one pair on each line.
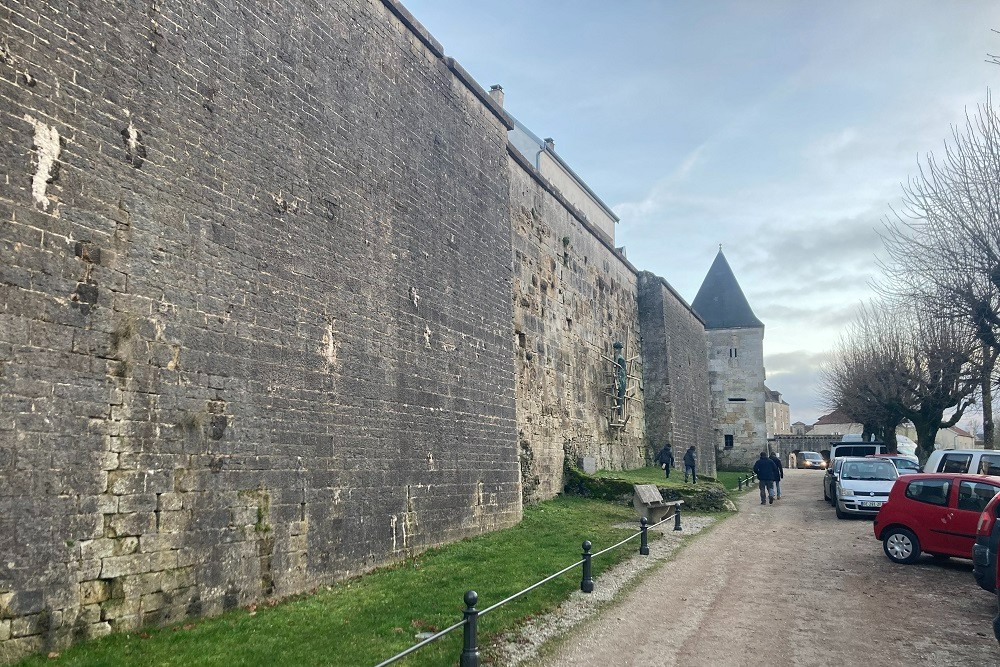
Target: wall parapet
436,48
603,238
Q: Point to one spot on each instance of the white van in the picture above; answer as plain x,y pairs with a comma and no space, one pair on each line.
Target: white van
973,461
855,448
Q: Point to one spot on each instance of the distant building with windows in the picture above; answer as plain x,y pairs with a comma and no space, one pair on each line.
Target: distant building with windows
776,410
735,366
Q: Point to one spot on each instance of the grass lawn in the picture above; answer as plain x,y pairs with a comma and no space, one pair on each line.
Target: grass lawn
368,619
654,475
730,478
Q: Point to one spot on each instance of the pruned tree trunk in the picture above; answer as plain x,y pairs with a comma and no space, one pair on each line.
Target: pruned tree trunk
989,362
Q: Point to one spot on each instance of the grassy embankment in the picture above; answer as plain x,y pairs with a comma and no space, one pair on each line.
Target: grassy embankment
654,475
368,619
365,620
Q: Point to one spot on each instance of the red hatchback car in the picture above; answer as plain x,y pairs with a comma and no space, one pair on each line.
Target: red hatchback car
935,513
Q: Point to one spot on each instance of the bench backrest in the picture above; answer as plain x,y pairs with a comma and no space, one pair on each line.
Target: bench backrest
648,493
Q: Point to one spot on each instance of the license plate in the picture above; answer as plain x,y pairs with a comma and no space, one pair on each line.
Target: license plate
869,503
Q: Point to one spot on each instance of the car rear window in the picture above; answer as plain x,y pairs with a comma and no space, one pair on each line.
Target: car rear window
955,463
906,465
874,470
989,464
974,496
932,491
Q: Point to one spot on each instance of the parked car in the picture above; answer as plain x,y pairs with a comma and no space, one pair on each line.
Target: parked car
975,461
934,513
905,465
830,480
811,460
863,485
984,554
984,551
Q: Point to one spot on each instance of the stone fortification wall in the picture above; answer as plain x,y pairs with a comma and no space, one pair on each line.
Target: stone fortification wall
573,296
675,361
736,372
254,306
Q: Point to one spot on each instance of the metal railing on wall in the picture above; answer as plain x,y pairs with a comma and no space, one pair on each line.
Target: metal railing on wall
470,616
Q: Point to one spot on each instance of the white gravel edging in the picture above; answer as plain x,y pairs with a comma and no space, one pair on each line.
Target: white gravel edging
524,643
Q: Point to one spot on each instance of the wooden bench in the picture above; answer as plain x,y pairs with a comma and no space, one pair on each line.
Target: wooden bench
650,504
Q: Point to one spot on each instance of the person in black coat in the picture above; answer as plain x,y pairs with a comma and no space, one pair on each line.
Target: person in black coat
766,474
776,460
689,465
666,458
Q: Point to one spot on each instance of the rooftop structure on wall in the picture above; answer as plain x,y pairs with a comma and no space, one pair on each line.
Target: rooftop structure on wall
541,153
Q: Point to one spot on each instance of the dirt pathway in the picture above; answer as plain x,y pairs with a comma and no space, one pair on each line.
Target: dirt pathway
789,584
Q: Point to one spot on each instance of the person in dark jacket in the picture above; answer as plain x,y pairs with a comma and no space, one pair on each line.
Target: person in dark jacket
776,460
666,458
766,473
689,465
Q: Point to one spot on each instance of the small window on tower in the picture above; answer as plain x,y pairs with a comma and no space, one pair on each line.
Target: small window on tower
729,441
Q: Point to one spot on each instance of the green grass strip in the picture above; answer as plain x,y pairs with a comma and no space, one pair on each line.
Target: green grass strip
365,620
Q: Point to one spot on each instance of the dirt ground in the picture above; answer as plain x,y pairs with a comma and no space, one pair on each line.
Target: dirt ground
789,584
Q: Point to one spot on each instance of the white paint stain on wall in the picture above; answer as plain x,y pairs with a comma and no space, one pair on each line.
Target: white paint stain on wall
47,148
330,345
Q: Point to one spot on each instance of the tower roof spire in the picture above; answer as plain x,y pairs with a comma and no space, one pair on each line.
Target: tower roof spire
720,301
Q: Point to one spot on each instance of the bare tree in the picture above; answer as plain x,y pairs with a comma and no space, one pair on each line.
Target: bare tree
894,364
942,376
863,377
944,243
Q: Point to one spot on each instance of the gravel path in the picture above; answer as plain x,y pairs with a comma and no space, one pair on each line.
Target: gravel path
523,645
787,584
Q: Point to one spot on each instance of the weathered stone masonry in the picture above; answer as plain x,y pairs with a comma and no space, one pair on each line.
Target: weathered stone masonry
573,297
255,324
675,370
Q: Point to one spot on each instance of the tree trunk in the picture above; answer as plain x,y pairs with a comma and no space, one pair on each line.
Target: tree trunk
989,362
887,434
926,435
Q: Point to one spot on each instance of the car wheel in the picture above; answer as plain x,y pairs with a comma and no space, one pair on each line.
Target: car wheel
826,496
901,545
841,514
833,498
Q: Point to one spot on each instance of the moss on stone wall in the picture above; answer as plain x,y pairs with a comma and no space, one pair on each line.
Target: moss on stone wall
702,498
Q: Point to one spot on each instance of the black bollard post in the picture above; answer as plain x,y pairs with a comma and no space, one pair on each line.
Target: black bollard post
643,541
587,583
739,480
677,518
470,651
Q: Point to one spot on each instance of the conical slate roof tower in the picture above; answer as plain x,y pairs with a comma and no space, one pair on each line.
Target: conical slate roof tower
735,365
720,301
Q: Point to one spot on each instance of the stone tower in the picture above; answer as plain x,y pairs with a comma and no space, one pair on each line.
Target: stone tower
735,366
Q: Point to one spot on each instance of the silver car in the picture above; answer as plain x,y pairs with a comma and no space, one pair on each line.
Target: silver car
863,485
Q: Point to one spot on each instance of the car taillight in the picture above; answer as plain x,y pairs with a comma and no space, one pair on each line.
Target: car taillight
985,525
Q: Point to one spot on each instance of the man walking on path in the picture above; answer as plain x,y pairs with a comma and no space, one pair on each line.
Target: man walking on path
689,465
666,458
766,474
776,460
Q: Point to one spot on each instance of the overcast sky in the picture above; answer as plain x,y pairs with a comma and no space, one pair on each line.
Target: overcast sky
782,130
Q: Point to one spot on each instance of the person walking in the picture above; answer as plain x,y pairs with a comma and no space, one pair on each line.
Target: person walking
776,460
765,471
666,458
690,462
